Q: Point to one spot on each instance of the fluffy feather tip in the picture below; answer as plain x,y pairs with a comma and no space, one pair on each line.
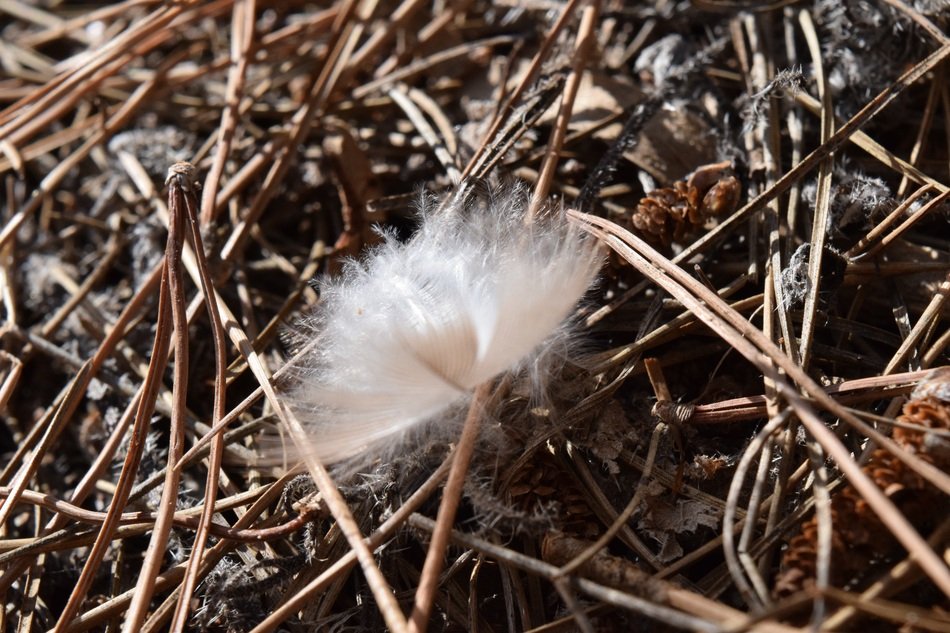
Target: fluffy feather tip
406,334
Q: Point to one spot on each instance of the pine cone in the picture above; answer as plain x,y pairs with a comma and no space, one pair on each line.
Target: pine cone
670,214
543,480
858,536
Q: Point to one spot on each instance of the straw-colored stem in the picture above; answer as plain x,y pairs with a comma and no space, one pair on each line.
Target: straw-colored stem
435,557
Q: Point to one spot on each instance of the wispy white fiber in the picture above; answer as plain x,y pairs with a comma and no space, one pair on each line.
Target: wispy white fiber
407,333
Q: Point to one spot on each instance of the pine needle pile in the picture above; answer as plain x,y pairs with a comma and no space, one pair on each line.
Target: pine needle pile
660,290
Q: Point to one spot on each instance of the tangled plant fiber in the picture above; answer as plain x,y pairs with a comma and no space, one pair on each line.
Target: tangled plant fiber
404,335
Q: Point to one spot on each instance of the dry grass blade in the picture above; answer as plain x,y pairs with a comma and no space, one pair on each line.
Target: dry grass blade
923,325
217,446
820,219
242,41
51,432
582,49
181,184
11,376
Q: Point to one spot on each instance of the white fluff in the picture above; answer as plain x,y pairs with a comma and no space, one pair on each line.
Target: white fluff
408,332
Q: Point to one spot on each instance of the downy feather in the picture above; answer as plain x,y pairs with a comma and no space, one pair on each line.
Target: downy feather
405,334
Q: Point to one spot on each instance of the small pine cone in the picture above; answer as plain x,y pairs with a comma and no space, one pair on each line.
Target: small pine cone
670,214
544,481
652,217
930,410
667,214
858,536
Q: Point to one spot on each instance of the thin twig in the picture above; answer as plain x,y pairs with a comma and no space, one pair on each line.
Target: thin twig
451,495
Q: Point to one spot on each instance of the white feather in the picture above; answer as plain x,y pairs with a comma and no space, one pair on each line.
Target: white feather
408,332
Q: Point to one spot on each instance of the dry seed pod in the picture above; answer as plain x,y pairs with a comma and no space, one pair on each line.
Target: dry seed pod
858,537
722,197
670,214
